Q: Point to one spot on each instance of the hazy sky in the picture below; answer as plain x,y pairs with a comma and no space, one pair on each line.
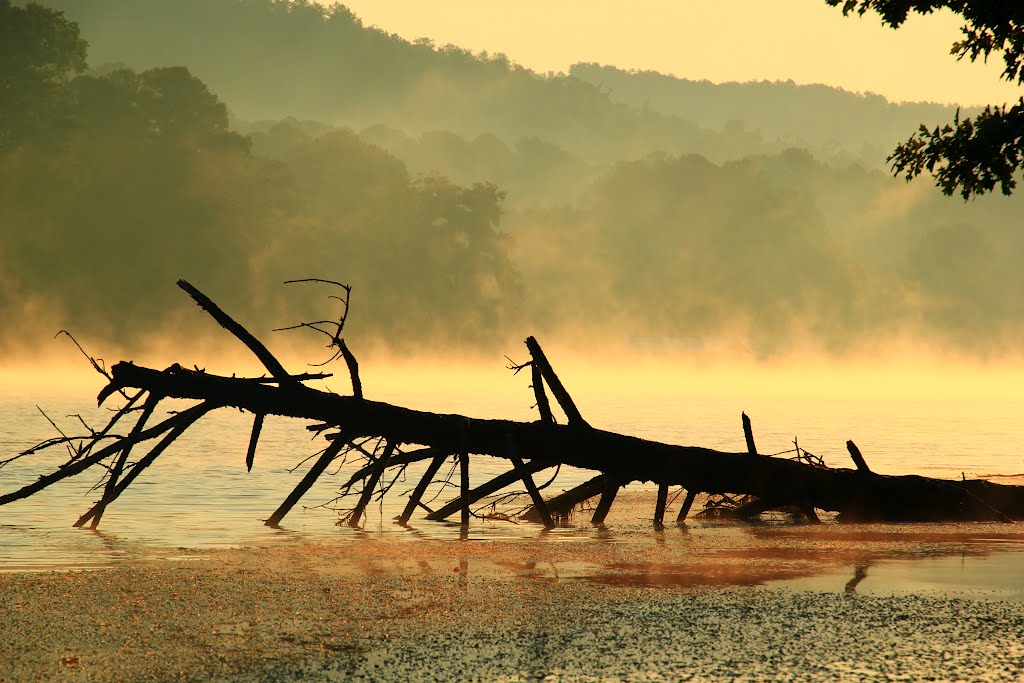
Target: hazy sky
728,40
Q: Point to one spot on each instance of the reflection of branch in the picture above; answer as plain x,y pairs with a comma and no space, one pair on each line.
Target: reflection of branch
859,574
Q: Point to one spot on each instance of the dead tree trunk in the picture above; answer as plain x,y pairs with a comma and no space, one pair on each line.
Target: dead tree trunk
529,446
857,494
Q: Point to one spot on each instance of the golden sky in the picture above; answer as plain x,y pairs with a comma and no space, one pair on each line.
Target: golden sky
728,40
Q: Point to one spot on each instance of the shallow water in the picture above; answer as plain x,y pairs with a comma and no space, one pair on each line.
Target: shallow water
199,495
987,577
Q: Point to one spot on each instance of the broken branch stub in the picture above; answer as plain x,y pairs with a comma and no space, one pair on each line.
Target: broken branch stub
748,434
858,459
243,335
540,361
254,439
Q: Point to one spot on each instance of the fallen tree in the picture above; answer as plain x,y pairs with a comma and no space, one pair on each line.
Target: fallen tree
348,422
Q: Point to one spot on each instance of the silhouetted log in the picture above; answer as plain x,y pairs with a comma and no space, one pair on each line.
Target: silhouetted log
858,459
329,454
562,504
659,507
622,457
483,490
371,483
605,503
687,504
748,434
540,361
421,488
254,439
757,506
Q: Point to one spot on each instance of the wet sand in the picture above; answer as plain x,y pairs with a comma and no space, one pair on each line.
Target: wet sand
705,603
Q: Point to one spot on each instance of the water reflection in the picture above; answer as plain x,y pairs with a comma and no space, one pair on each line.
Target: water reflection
683,576
859,574
950,561
972,561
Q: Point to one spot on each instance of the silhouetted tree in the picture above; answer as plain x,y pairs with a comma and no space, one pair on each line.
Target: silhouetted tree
973,154
39,51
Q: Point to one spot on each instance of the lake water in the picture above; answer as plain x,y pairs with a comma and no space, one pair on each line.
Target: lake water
199,495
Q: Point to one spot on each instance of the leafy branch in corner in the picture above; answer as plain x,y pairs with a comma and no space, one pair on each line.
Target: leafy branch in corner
972,155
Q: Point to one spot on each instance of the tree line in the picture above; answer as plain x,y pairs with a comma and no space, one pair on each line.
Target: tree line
117,180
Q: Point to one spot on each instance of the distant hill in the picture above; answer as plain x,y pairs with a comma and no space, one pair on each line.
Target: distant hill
817,116
468,199
272,59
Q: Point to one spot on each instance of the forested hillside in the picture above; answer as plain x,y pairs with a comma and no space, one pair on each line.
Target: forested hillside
817,116
271,60
469,201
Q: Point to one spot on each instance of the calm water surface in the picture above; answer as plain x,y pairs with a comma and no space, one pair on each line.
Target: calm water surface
199,495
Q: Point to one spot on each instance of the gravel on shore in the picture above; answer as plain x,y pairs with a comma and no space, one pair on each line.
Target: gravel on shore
709,607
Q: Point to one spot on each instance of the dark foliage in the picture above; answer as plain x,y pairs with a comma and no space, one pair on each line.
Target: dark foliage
972,155
39,51
143,179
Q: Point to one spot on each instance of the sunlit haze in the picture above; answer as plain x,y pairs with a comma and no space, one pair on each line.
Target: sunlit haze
562,340
733,40
676,234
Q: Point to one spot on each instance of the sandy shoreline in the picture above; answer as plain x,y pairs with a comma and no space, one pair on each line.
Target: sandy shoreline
701,604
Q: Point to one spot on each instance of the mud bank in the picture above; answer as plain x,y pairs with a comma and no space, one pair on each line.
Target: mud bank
707,603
